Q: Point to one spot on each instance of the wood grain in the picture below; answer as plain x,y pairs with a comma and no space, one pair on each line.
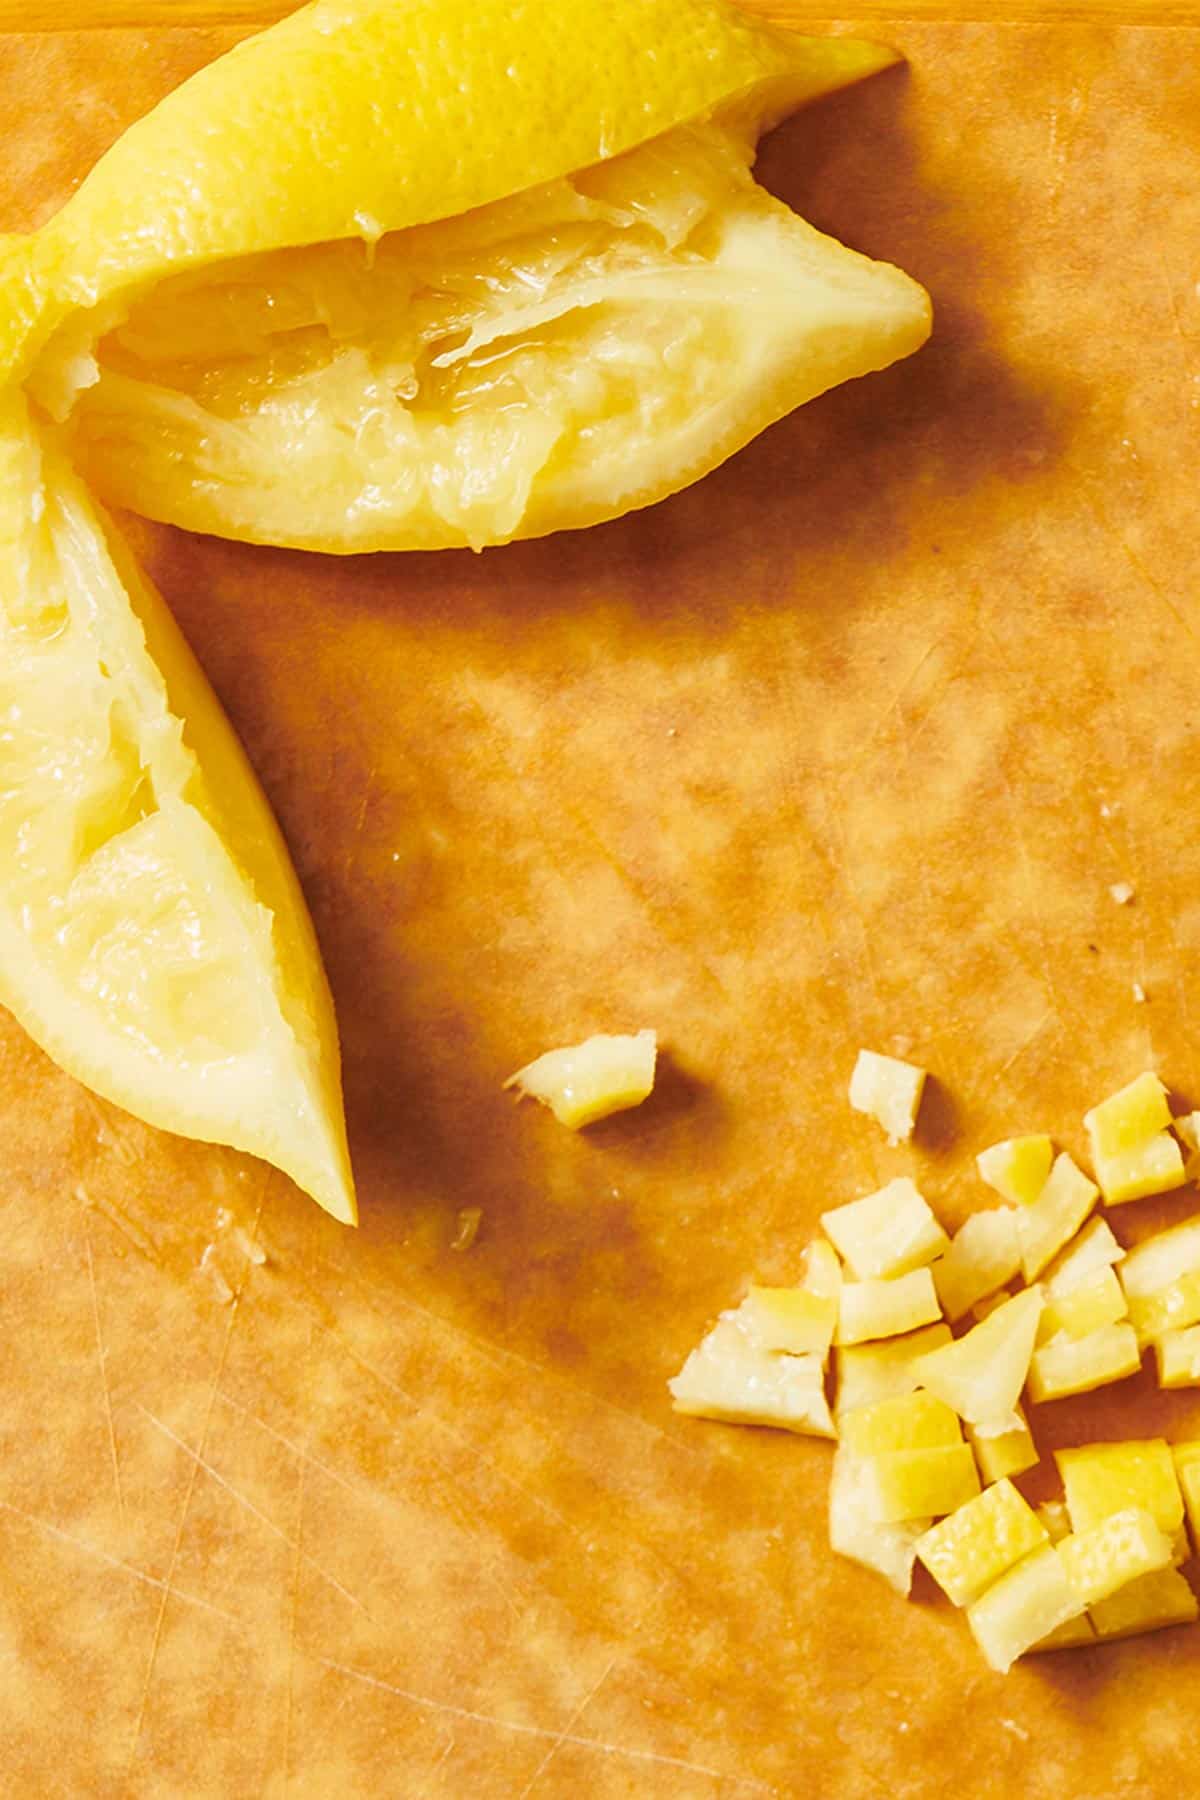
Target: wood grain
45,15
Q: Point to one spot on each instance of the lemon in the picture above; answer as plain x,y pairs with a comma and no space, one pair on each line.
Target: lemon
153,937
387,275
545,362
411,277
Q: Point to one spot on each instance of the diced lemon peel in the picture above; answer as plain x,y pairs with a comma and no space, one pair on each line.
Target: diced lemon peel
586,1082
888,1091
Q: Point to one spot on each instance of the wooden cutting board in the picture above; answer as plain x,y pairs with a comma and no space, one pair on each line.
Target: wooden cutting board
845,746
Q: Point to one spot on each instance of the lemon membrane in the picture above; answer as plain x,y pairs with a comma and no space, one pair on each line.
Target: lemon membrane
547,361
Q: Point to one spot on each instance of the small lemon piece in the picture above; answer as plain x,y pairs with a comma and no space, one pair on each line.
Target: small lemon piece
589,1081
969,1551
887,1233
729,1378
1021,1610
881,1309
1017,1169
888,1091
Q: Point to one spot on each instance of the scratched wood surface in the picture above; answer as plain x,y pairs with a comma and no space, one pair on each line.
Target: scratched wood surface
845,746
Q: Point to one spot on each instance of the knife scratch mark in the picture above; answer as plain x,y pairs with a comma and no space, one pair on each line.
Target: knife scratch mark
360,819
1185,337
306,1458
102,1357
496,1355
560,1740
379,1498
518,1727
255,1511
895,707
141,1242
189,1490
1033,899
293,1607
464,1442
116,1562
1156,587
1030,1037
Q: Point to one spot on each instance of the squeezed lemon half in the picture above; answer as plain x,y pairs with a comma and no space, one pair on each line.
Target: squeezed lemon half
153,937
545,362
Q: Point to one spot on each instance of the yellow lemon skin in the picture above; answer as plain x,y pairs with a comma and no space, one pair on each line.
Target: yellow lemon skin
352,118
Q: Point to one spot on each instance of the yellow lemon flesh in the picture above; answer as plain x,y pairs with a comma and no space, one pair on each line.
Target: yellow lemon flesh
152,934
538,291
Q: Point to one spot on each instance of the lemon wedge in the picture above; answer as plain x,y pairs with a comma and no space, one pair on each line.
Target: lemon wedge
153,937
420,276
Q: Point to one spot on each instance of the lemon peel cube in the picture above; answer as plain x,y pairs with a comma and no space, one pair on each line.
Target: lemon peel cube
912,1484
788,1319
1023,1608
1186,1457
1161,1278
969,1551
855,1533
915,1421
1069,1365
887,1233
1148,1604
1056,1519
1128,1118
880,1309
981,1375
1161,1260
1097,1299
983,1255
1117,1550
799,1319
1187,1126
585,1082
1177,1354
1175,1308
732,1380
1155,1167
1101,1479
1055,1216
888,1091
870,1372
1006,1453
1017,1169
1093,1248
1073,1634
